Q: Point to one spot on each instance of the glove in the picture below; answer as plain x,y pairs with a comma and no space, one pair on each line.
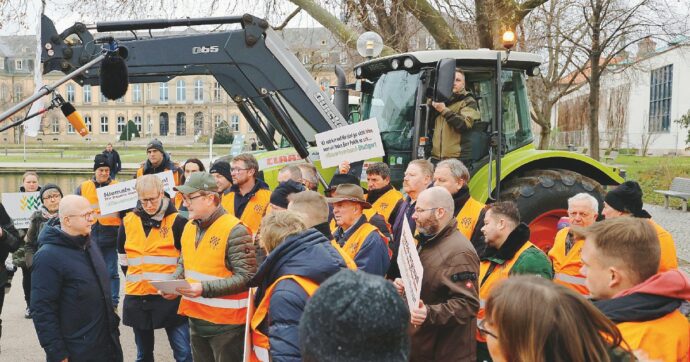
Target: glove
9,265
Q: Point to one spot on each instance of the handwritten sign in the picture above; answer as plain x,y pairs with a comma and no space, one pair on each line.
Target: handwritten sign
20,206
411,270
123,195
356,142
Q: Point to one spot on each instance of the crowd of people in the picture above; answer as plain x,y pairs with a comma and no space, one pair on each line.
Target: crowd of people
314,277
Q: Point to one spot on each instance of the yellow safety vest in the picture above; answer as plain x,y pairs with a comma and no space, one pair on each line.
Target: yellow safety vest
566,267
354,243
253,212
469,216
349,262
206,262
385,204
152,257
88,190
176,175
664,339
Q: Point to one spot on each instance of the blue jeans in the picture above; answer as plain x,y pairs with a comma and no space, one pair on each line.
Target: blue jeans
178,337
110,257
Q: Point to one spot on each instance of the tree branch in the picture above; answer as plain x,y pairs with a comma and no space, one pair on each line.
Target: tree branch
287,20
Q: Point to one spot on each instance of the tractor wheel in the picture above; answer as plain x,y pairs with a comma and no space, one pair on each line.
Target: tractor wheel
542,198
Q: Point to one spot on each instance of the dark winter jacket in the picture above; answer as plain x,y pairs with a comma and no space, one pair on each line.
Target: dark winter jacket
308,254
70,299
477,239
114,161
372,256
9,242
166,165
37,222
102,235
451,294
241,201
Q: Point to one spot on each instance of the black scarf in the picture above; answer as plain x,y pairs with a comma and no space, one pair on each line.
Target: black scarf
637,307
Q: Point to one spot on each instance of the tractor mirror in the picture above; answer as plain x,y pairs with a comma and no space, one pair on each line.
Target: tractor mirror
445,77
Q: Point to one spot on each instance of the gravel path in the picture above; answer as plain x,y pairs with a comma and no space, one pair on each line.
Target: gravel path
677,223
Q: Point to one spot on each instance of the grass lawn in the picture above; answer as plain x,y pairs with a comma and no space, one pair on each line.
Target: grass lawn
655,173
86,155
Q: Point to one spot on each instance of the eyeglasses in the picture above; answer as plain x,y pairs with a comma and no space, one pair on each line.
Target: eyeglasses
234,169
418,210
52,197
189,199
150,200
481,327
87,215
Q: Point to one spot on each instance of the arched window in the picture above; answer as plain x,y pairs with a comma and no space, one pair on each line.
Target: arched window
198,123
164,124
181,121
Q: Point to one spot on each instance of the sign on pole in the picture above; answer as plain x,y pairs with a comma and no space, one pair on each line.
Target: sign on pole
20,206
356,142
411,270
123,195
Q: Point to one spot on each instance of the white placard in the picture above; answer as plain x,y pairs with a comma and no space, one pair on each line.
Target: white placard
123,195
169,286
356,142
20,206
411,270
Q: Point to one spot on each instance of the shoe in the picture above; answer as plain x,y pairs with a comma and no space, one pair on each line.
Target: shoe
27,313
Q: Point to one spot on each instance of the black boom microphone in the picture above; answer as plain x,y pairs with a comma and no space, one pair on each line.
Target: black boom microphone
113,77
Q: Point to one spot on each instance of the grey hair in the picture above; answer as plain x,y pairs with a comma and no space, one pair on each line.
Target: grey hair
457,168
583,196
294,172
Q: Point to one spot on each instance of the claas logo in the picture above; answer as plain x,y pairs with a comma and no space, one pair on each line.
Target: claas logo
29,203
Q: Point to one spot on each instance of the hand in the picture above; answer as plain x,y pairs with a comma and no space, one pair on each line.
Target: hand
65,360
168,296
439,106
399,286
344,167
418,315
193,291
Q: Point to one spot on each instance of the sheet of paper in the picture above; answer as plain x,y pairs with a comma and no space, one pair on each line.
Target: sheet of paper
411,270
169,286
355,142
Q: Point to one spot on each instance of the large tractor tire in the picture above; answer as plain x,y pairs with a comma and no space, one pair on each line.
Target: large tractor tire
542,198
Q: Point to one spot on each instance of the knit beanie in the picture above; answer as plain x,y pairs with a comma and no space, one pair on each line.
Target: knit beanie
279,196
355,316
626,198
156,145
100,161
222,168
47,187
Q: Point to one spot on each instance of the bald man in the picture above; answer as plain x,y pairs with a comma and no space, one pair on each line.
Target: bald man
72,309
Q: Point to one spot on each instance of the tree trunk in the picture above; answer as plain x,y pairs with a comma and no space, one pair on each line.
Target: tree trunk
434,22
595,80
544,121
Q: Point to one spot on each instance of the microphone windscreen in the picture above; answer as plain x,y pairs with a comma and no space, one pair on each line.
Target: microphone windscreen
74,118
114,78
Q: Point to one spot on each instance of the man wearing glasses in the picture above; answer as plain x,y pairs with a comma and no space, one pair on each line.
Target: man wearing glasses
444,322
71,305
104,229
218,259
249,196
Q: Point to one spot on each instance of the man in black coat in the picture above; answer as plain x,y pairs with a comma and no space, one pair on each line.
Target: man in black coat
9,242
71,305
113,160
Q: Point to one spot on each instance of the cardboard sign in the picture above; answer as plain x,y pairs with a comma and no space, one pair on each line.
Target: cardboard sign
356,142
411,270
20,206
123,195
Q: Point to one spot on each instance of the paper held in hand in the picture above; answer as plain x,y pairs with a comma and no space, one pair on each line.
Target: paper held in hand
170,286
123,195
411,270
356,142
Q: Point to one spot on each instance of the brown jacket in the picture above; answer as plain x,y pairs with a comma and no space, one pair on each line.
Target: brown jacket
458,117
450,293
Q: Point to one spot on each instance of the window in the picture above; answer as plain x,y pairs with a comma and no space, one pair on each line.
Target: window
137,122
18,64
217,120
87,120
414,43
104,124
87,94
430,42
325,84
305,59
660,88
325,57
103,99
120,124
217,92
199,90
198,123
121,100
2,63
4,93
70,128
343,58
136,93
181,124
163,92
235,123
164,124
55,125
70,92
18,92
181,91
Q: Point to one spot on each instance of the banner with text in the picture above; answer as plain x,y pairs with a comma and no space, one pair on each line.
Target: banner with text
411,270
123,195
20,206
356,142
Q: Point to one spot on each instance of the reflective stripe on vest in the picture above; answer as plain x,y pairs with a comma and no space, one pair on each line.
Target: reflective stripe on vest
354,243
253,212
385,204
499,273
260,342
566,267
469,216
149,257
88,190
206,262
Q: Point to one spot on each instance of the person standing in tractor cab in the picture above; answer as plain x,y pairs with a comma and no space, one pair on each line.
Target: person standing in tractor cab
249,196
157,161
565,253
454,118
453,176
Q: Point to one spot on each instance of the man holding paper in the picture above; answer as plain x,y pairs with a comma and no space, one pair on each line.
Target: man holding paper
218,259
445,320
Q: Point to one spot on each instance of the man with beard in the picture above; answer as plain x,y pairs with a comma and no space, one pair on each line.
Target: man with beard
157,161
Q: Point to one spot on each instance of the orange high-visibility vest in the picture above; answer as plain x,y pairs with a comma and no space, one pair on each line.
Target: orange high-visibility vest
566,267
385,204
354,243
178,200
469,216
260,341
206,262
176,175
669,259
152,257
349,262
664,339
486,283
253,212
88,190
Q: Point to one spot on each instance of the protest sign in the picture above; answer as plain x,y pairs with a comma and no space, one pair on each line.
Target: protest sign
356,142
248,345
411,270
123,195
20,206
